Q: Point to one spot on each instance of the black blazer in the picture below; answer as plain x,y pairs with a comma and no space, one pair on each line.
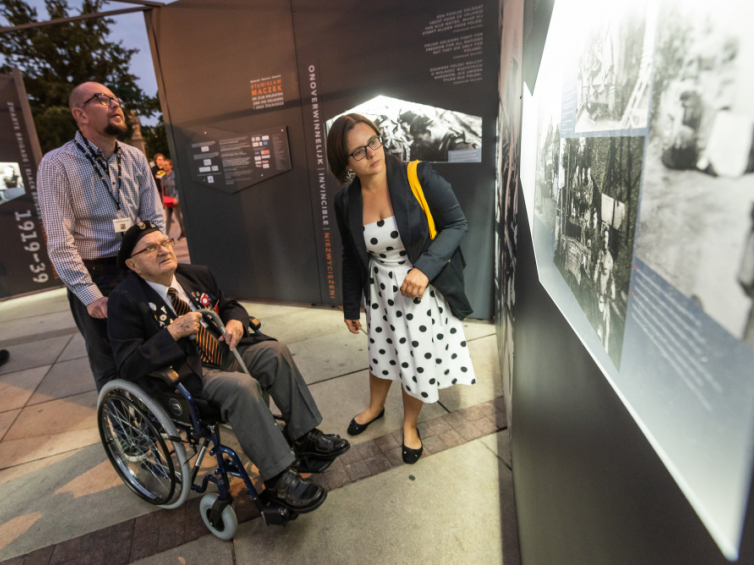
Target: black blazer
440,259
137,320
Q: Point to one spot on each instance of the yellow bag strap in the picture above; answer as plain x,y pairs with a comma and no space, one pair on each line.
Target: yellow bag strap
416,188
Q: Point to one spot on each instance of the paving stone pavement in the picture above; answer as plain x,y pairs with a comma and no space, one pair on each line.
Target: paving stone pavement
63,502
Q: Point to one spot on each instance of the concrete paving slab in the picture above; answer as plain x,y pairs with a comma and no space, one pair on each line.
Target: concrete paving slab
474,329
75,349
427,513
489,384
500,443
35,325
26,450
72,414
73,495
17,388
329,356
64,379
304,324
42,303
12,473
207,549
34,354
263,311
340,399
6,421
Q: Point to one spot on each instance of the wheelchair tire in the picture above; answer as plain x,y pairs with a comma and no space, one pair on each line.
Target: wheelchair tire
135,432
229,525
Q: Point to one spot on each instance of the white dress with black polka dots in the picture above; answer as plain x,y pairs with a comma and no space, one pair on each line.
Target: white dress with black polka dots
417,342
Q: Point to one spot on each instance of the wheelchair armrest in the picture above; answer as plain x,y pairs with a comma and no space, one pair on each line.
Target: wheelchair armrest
169,376
254,324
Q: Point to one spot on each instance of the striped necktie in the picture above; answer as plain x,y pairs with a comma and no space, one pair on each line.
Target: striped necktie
209,348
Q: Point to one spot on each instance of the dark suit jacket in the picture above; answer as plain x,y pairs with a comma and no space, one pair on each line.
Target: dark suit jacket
137,327
440,259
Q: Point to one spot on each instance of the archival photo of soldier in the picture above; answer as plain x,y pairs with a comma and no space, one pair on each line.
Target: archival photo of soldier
595,219
698,193
413,131
614,68
11,182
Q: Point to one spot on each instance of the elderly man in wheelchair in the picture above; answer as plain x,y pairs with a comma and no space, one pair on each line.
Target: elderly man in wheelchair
190,358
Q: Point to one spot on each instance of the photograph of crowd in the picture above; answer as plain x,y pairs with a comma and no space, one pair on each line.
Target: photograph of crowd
696,209
413,131
11,182
614,68
595,207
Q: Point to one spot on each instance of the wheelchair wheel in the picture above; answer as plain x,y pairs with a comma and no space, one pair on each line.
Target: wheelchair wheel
228,525
138,437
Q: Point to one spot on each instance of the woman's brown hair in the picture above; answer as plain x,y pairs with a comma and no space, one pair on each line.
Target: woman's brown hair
337,148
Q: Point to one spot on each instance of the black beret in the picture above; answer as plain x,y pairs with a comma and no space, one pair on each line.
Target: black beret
131,238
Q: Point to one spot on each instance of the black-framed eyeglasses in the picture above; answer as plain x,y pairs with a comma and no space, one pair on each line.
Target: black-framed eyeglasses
149,249
105,100
360,152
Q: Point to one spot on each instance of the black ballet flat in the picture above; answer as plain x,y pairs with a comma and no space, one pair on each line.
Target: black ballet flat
411,456
354,428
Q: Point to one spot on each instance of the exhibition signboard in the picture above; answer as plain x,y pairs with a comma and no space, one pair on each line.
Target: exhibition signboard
636,168
24,265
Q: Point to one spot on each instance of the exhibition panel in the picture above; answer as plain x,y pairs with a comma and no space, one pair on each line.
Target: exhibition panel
636,162
24,265
248,131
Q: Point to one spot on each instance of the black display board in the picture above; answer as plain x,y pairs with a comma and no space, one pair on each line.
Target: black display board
589,486
296,66
24,265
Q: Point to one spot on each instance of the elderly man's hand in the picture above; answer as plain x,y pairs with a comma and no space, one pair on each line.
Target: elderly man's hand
234,329
98,308
185,325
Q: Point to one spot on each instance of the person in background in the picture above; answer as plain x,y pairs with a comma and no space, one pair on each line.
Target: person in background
158,170
169,191
91,190
413,285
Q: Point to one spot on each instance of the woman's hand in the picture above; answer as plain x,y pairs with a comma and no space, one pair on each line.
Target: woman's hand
353,326
414,284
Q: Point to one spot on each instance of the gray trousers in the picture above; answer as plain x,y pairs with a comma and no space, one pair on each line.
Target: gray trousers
243,406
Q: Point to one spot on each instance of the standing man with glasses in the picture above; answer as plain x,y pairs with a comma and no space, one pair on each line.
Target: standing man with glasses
91,190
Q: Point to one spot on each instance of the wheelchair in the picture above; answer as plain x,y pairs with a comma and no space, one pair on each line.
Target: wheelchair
150,442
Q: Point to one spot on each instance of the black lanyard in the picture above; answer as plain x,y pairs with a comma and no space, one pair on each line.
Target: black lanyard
94,161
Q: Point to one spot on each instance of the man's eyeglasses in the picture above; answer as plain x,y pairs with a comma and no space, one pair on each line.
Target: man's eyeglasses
105,100
360,152
167,244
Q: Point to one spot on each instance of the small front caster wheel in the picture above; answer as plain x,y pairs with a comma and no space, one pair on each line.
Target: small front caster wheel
228,524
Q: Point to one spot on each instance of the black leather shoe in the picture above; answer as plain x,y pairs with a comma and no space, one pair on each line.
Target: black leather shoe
4,356
354,428
411,456
320,445
296,493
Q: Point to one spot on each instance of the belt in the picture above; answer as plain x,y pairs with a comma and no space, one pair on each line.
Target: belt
101,262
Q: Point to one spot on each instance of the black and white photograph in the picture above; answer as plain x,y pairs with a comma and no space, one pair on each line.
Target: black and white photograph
614,68
412,131
506,198
11,182
595,219
698,195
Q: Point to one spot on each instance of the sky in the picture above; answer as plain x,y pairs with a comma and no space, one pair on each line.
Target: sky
128,28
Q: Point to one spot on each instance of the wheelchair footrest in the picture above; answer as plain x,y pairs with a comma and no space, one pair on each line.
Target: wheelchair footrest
274,514
312,465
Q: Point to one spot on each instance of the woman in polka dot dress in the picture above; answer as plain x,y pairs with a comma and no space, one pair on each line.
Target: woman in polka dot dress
412,285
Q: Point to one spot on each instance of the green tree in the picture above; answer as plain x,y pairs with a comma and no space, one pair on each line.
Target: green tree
56,58
155,139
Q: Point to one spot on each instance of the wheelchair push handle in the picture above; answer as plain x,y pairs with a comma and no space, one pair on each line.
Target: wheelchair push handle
212,315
